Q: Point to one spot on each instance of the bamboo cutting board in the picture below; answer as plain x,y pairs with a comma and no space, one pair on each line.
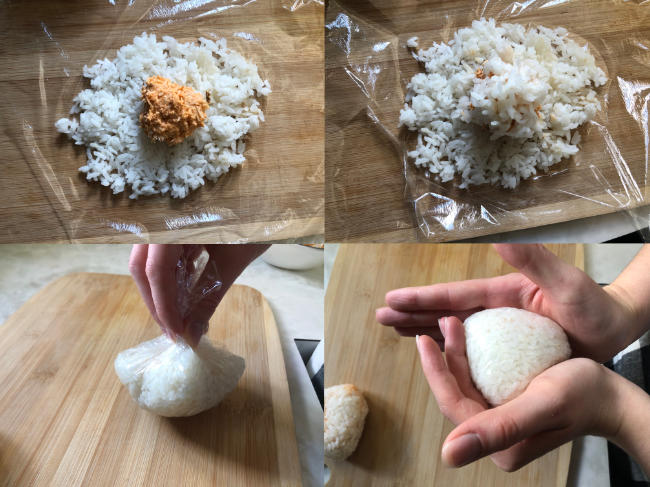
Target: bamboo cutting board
367,67
404,428
65,419
276,194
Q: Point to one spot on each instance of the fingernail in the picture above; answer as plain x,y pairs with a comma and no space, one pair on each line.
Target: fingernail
417,342
462,450
442,324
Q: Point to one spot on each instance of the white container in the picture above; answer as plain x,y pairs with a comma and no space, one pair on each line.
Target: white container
293,257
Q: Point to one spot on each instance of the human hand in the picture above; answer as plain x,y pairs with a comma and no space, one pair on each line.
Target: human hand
570,399
182,285
595,319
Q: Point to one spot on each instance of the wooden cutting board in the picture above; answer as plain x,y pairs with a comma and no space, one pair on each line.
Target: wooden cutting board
276,194
65,419
367,68
404,429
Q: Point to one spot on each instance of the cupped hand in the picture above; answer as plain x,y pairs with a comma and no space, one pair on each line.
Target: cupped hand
595,319
182,285
570,399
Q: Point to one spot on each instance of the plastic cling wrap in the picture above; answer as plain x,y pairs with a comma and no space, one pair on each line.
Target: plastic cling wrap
168,376
374,190
172,379
275,194
197,280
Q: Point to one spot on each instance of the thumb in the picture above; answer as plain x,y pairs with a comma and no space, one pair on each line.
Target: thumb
197,321
499,428
538,263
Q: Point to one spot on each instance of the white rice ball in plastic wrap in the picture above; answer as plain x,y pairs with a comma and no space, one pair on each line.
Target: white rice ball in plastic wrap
508,347
171,379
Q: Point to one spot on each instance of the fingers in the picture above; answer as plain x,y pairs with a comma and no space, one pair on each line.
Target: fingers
456,357
414,331
500,428
442,383
203,294
226,263
419,319
231,260
436,336
451,400
161,274
196,323
194,331
154,269
530,449
537,263
137,264
461,295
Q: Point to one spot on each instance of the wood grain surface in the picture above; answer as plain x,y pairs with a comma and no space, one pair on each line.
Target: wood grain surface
369,194
65,419
404,429
276,194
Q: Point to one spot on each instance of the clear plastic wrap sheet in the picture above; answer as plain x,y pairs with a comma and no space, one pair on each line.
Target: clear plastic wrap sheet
371,195
197,278
172,379
183,358
276,194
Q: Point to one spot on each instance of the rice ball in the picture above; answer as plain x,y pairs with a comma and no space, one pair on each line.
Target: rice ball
345,414
171,379
509,347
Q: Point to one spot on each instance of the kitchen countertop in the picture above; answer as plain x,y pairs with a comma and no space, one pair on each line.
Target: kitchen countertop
589,462
587,230
296,298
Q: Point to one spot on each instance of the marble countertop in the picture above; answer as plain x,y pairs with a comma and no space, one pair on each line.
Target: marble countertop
589,465
296,298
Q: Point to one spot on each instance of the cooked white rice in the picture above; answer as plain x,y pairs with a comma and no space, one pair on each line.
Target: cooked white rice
170,379
510,121
345,414
120,154
509,347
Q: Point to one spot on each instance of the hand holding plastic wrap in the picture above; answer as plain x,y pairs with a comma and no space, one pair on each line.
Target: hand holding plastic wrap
182,373
180,285
375,191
